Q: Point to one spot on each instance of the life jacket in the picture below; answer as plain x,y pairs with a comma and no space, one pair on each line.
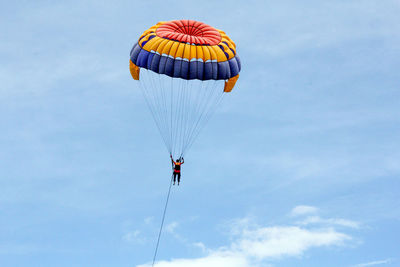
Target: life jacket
177,167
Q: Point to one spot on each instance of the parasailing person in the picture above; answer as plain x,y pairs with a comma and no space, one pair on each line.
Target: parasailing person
177,168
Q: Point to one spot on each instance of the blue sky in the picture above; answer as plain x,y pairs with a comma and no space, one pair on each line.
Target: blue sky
299,166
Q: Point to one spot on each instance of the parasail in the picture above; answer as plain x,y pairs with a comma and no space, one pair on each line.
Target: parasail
184,68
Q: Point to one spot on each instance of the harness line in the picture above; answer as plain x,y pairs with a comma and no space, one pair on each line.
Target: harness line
162,222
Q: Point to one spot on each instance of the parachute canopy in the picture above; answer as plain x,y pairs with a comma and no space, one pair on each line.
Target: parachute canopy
185,62
186,49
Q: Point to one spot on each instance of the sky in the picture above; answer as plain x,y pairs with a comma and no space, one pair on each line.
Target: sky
299,166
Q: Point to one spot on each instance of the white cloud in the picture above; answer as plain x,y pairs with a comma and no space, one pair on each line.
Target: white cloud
279,241
302,210
149,220
372,263
315,219
133,237
330,221
215,260
201,246
255,245
170,228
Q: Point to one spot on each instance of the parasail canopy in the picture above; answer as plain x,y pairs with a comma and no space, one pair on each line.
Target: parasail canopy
187,67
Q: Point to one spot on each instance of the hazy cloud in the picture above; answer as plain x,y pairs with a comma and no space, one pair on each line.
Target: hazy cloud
133,237
331,221
302,210
255,245
372,263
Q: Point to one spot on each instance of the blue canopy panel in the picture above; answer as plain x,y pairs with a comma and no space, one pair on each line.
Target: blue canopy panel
183,68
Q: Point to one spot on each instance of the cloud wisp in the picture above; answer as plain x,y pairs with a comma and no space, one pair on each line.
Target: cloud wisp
313,219
303,210
257,245
373,263
331,221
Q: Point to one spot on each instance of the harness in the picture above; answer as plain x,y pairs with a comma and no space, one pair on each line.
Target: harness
177,167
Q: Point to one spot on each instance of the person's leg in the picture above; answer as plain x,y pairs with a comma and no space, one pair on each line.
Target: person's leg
179,178
174,177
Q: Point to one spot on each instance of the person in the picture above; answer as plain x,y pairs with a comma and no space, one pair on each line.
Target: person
177,168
